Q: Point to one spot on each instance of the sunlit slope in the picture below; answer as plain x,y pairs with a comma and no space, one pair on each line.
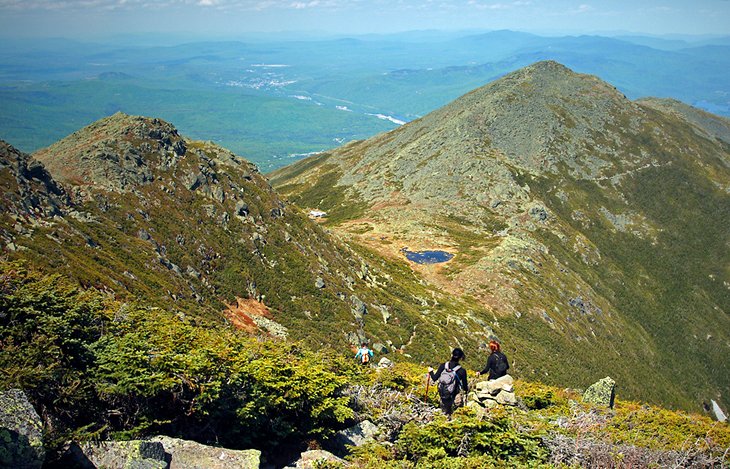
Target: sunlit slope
588,226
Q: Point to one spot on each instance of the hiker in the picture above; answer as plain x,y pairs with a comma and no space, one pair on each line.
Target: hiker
450,378
364,354
497,363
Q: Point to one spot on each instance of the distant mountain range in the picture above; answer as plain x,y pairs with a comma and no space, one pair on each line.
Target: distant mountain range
274,101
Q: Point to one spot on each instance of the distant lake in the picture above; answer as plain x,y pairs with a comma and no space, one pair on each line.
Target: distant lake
428,257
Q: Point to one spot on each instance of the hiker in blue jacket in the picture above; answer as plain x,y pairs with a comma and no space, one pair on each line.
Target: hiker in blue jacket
364,354
450,378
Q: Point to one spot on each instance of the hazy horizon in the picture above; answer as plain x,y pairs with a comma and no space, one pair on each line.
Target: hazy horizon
94,19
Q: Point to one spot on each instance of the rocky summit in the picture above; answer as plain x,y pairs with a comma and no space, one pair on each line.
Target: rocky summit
586,226
129,206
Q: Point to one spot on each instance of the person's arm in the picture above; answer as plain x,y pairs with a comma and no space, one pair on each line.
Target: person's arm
507,362
435,376
488,366
370,352
358,354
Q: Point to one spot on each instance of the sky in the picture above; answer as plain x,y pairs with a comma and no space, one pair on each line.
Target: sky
97,18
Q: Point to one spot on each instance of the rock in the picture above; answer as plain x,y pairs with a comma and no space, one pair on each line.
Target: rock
356,435
602,392
144,235
317,458
474,405
385,363
319,283
496,385
358,308
506,398
193,180
385,312
490,403
538,213
380,348
219,194
481,385
137,454
717,411
241,209
189,454
21,436
481,395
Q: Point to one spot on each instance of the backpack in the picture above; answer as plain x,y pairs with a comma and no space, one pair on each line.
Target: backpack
365,357
500,365
448,382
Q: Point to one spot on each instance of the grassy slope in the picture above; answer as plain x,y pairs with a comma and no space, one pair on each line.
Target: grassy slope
661,292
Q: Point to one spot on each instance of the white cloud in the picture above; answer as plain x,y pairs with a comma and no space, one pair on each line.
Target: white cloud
303,5
22,5
498,6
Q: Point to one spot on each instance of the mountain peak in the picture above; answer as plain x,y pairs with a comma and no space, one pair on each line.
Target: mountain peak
115,153
550,66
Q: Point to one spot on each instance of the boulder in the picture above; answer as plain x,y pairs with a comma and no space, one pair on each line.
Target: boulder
241,209
358,307
319,283
380,348
484,395
187,454
602,392
317,458
385,363
506,398
356,435
494,386
490,403
137,454
21,436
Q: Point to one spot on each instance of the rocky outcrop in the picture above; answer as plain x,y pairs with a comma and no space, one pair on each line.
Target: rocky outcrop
138,454
118,153
602,392
186,454
356,435
21,437
26,188
158,453
488,394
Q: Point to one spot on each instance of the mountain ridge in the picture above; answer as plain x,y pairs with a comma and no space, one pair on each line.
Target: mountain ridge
558,196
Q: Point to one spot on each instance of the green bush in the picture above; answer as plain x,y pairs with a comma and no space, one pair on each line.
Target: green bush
90,363
46,328
466,434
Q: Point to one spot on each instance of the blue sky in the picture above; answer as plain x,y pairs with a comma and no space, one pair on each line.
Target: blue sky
93,18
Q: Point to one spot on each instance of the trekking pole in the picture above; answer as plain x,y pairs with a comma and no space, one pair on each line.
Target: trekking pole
428,381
